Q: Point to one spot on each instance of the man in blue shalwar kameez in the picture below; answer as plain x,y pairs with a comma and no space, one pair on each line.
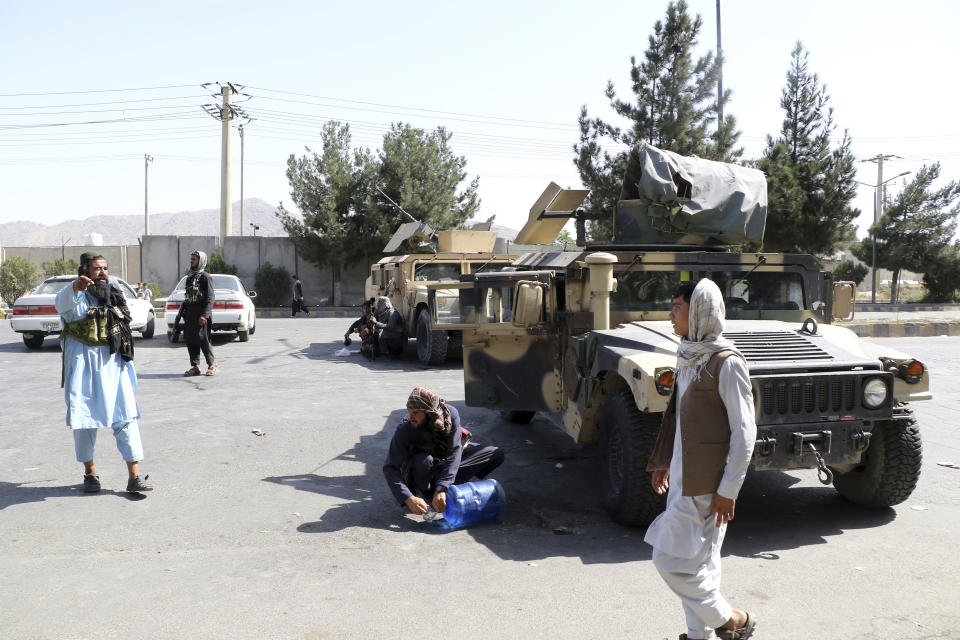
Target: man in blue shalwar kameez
99,380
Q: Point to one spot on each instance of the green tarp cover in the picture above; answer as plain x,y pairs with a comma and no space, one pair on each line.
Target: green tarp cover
688,195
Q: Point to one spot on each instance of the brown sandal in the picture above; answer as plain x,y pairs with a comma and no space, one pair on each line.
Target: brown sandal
211,370
192,371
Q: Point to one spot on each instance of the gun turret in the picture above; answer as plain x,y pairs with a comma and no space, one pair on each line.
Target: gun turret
669,199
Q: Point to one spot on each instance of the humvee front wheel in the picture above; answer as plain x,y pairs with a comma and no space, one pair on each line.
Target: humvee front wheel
431,345
890,467
627,437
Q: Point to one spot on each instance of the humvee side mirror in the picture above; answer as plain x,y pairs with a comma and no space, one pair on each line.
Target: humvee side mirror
844,297
527,304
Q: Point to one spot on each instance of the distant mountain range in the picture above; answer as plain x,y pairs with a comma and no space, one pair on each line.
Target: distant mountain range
125,230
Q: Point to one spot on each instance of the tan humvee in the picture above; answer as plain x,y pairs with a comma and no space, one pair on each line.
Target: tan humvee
405,278
588,336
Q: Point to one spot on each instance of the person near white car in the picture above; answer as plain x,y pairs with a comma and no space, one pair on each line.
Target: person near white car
99,379
197,313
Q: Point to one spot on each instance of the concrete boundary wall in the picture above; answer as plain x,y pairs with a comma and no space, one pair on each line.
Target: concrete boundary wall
164,259
124,261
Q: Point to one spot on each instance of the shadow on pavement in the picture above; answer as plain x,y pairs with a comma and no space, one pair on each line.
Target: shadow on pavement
50,345
327,352
158,376
12,493
553,508
551,511
773,515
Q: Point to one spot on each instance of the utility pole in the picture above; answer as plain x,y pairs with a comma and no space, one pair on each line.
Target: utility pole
720,75
226,112
226,117
147,159
878,212
241,178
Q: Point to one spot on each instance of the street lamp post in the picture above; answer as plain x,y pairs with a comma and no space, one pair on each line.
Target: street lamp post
255,227
877,213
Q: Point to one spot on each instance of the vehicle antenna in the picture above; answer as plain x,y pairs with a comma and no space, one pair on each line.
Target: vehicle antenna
390,200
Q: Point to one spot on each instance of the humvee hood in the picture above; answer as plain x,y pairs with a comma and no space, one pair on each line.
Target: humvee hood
767,345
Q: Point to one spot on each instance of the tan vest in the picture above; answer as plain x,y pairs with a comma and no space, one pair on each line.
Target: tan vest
704,431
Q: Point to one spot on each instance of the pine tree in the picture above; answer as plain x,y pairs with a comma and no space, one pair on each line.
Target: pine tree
674,107
328,188
419,171
916,229
810,184
346,219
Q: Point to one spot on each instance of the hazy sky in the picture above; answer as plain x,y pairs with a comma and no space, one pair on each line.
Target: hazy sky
507,78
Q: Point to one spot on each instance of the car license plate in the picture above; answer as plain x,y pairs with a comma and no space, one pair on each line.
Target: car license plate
51,326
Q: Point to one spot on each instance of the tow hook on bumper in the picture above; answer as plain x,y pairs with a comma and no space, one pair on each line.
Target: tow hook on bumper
793,447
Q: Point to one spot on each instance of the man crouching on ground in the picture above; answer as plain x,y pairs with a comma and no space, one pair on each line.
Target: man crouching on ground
428,454
701,457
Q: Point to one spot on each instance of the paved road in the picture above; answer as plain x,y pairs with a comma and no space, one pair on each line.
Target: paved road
294,535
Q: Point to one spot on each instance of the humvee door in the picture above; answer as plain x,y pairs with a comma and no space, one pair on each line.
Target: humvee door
511,349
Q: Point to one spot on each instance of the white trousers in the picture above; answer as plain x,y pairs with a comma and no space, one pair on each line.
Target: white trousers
697,581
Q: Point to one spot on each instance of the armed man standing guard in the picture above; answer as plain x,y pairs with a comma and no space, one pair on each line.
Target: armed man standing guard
428,454
197,313
99,380
701,457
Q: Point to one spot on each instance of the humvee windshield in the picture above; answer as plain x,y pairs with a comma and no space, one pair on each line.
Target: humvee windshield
484,267
437,272
760,291
645,291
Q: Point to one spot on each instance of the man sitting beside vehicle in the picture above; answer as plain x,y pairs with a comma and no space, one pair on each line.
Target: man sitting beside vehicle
360,322
428,454
390,332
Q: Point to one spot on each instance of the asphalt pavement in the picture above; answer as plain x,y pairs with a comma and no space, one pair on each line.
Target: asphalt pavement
294,534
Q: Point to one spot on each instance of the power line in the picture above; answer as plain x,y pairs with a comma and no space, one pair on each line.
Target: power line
91,136
145,118
144,139
393,106
67,93
58,113
93,104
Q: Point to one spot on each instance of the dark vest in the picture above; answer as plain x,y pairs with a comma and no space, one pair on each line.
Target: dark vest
704,431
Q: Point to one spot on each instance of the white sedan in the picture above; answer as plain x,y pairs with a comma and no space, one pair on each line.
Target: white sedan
232,307
36,317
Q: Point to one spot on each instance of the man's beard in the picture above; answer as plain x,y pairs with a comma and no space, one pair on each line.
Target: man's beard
100,290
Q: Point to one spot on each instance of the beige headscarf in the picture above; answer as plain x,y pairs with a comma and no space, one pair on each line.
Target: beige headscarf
706,328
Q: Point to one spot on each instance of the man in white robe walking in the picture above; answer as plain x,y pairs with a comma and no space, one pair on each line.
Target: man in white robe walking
700,459
99,380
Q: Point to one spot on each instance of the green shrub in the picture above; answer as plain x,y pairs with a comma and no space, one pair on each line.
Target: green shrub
17,277
60,267
272,286
217,264
942,278
850,271
154,289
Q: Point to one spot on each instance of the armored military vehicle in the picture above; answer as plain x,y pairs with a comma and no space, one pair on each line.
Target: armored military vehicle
587,335
404,278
